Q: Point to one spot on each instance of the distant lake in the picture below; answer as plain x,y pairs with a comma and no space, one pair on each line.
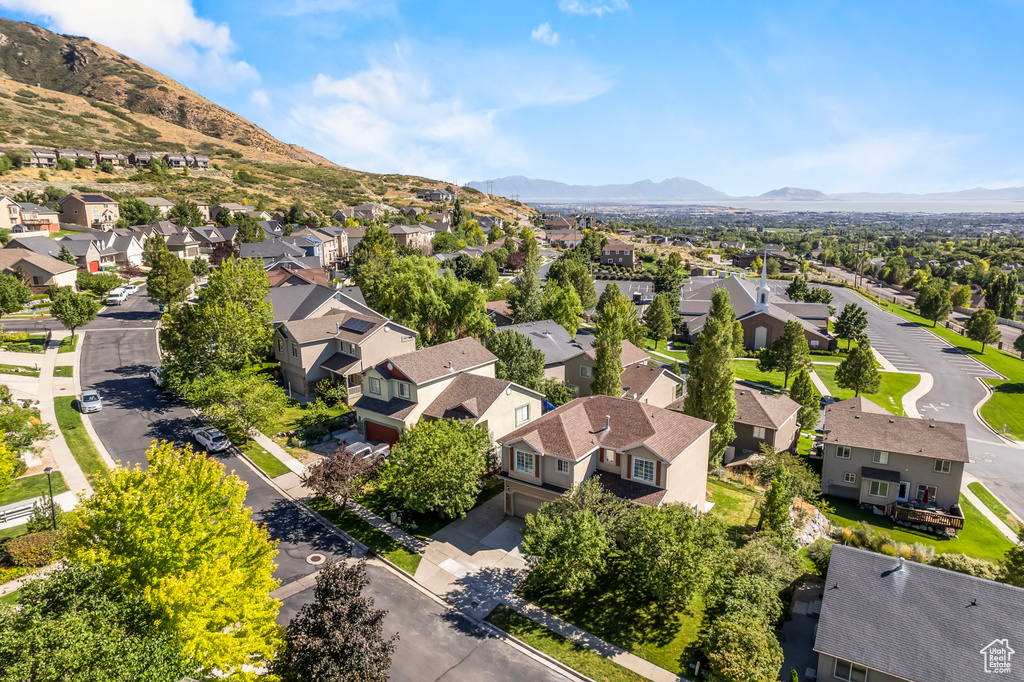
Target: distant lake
877,206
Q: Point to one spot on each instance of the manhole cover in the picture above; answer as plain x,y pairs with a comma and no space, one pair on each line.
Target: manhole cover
316,559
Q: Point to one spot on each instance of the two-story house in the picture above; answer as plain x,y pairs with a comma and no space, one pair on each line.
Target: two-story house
38,218
10,212
89,210
619,254
115,158
73,155
651,384
163,206
303,301
341,344
328,243
116,247
453,380
763,418
911,468
140,159
639,452
414,236
579,370
86,253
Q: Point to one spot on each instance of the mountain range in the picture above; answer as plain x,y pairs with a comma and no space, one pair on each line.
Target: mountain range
685,190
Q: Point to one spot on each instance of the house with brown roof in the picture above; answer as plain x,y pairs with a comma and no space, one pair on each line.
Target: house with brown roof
453,380
42,158
579,370
619,254
162,205
113,157
763,417
563,239
500,313
286,276
639,452
38,218
43,271
651,384
910,469
90,209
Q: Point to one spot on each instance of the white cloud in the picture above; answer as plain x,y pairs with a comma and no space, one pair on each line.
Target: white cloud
359,7
260,98
166,35
544,34
598,7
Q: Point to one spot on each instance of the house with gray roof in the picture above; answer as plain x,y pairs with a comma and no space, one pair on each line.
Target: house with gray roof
302,301
271,248
88,254
162,205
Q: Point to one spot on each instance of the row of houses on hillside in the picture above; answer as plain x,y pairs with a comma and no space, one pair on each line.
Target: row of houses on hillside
48,158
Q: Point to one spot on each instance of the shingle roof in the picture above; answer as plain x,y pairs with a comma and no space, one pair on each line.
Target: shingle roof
845,424
42,245
340,362
630,353
758,408
918,622
880,474
576,428
435,362
278,276
299,301
396,408
9,258
328,326
638,379
551,339
627,489
270,248
469,395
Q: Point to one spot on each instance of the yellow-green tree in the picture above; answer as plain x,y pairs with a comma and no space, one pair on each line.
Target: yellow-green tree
179,533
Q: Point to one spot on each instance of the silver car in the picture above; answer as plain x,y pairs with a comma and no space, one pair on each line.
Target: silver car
213,440
91,401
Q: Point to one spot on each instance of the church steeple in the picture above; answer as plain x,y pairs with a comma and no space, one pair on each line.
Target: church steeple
763,291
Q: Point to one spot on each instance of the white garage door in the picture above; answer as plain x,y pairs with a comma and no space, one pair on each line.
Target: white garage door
525,505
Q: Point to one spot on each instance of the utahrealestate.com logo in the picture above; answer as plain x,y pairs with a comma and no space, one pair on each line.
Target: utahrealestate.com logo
997,656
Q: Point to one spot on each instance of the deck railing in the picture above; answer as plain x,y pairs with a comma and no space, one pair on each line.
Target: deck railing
923,516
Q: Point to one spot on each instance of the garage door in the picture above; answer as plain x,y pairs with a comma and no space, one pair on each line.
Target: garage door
525,505
375,431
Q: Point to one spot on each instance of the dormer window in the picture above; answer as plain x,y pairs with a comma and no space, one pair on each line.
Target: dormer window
403,389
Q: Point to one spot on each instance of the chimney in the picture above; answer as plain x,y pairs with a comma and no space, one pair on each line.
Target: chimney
607,422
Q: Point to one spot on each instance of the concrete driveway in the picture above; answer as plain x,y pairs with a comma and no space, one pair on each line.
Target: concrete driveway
475,560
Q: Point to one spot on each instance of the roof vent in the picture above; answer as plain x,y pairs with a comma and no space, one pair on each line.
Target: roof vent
607,422
901,564
892,421
931,426
449,364
856,416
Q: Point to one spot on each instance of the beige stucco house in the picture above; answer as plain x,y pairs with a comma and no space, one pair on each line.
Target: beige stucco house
651,385
640,452
579,370
43,271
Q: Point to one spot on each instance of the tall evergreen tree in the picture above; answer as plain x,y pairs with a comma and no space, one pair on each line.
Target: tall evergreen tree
66,255
857,372
658,318
709,385
526,299
802,393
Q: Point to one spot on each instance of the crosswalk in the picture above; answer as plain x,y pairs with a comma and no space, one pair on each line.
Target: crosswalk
892,353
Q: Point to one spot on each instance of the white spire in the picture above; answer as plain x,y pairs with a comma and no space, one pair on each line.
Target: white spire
763,291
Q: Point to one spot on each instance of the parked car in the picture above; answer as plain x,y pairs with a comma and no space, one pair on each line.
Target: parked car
213,440
117,296
130,289
91,402
156,375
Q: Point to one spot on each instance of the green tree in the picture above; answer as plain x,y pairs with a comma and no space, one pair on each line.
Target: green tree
668,280
78,623
65,164
169,280
983,327
797,289
857,372
371,263
1002,295
339,637
224,218
181,534
709,385
774,269
743,648
446,242
83,162
592,244
19,157
658,318
135,211
775,510
1012,567
675,260
153,246
241,403
803,394
819,295
851,323
1018,344
518,360
249,231
934,303
73,310
186,214
526,300
66,255
562,305
8,460
556,392
570,270
14,294
200,267
610,293
788,353
961,297
607,375
340,475
438,465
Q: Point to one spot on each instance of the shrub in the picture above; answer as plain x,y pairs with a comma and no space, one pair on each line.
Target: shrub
19,467
820,552
34,549
962,563
315,413
888,549
331,391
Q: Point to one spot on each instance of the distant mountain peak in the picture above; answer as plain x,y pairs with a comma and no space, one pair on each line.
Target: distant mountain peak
643,191
793,194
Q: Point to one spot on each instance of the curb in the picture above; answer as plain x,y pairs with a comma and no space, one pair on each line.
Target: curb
910,398
977,415
1015,515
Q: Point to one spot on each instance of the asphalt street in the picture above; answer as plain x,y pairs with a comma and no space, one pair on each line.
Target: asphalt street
436,643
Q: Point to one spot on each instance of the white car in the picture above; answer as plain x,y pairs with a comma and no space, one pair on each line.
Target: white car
91,402
212,439
157,377
130,289
117,296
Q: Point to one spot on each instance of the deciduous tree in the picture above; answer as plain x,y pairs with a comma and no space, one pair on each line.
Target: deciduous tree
239,402
1002,295
186,214
249,231
14,294
961,297
803,393
851,323
169,280
340,475
788,353
797,289
983,327
857,372
518,360
153,246
607,375
526,300
73,310
658,318
135,211
571,270
934,303
1012,567
562,305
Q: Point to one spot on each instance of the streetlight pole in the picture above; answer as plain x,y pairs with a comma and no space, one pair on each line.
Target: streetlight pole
49,482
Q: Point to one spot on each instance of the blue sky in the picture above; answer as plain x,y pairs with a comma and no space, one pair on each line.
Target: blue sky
864,96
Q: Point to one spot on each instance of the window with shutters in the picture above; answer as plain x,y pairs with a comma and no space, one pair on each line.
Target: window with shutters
524,462
643,470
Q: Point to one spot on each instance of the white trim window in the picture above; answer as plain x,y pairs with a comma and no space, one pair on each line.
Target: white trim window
943,466
643,470
878,489
374,385
562,466
524,461
923,488
295,351
880,457
849,477
843,452
403,389
849,672
522,414
585,371
759,432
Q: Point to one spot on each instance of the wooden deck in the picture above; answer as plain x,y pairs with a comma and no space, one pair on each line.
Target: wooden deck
923,517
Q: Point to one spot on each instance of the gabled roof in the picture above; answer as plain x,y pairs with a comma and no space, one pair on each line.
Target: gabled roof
617,245
10,257
578,427
551,339
758,408
469,395
637,379
847,424
41,245
157,201
269,248
280,276
298,302
89,198
27,207
427,364
915,621
630,354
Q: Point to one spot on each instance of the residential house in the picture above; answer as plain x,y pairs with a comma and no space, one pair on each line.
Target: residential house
762,314
651,385
340,236
437,196
162,205
180,240
563,239
488,223
229,206
551,339
204,210
579,370
43,271
10,212
200,161
371,211
274,248
42,158
292,262
303,301
738,246
175,161
211,236
411,211
414,236
74,155
441,222
354,235
558,224
912,469
113,157
762,418
85,252
639,452
884,619
500,313
140,159
619,254
116,247
453,380
89,210
342,214
339,345
257,215
38,218
272,228
328,243
285,276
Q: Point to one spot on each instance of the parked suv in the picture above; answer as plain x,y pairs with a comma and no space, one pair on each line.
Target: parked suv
117,296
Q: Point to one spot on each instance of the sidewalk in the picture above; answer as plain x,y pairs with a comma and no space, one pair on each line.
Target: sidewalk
289,482
985,511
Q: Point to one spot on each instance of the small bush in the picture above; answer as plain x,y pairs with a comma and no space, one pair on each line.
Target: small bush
315,413
820,553
331,391
961,563
19,467
34,549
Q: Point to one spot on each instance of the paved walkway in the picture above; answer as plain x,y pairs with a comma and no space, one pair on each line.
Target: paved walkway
986,512
911,397
290,482
819,384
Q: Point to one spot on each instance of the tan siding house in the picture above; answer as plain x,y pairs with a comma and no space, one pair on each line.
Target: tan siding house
89,210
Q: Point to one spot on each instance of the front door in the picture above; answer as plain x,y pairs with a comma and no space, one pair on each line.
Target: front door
760,337
904,491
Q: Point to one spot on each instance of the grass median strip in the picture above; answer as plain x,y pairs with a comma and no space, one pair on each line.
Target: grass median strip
29,487
891,388
995,506
66,371
378,541
21,370
270,465
585,661
70,423
68,344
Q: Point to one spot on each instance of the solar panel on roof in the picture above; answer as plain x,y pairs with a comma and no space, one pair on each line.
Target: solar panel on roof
357,326
95,197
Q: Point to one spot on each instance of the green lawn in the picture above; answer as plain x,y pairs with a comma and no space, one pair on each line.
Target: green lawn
270,464
70,423
893,385
68,344
662,347
21,370
978,538
589,663
994,505
664,635
747,369
12,532
12,599
28,487
379,542
1005,408
289,418
737,506
66,371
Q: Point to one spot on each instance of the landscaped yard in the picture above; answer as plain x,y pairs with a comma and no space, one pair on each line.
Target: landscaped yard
70,423
1005,408
379,542
978,538
270,465
66,371
20,370
747,369
891,389
664,349
994,505
288,419
589,663
739,507
68,344
35,343
29,487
